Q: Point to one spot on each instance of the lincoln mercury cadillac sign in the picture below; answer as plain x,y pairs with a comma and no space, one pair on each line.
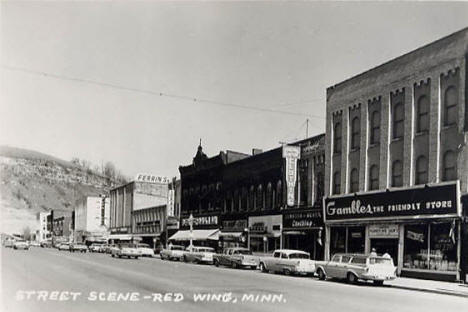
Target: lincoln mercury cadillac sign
426,201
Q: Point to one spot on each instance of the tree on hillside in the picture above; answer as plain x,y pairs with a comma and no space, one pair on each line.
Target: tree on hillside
109,170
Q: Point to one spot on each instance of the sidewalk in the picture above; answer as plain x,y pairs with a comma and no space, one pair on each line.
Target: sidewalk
447,288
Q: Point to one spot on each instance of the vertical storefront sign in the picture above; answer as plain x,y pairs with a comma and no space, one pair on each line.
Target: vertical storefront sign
291,154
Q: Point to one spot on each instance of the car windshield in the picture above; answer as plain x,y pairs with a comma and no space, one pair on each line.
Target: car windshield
127,245
299,256
243,252
143,246
380,261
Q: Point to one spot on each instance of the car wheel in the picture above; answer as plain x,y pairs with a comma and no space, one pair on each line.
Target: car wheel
112,255
321,275
185,259
378,283
351,278
15,248
136,257
235,265
263,268
120,256
216,263
287,272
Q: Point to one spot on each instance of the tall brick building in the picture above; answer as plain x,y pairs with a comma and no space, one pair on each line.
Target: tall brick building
397,161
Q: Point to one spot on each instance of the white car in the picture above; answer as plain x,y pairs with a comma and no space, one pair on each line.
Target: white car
199,254
125,250
145,250
288,261
64,246
353,267
173,252
21,244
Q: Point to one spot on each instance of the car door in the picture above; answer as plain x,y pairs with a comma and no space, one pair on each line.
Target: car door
275,261
343,266
227,257
331,268
284,262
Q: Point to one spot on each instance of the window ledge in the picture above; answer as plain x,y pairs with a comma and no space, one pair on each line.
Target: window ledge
354,149
374,144
449,126
397,139
421,133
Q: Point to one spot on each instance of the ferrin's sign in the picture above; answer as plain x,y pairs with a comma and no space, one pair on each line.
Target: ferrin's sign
291,154
150,178
425,201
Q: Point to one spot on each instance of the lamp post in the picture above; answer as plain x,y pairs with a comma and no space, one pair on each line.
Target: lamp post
190,221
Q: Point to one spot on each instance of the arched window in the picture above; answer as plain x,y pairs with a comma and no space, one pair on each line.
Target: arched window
397,173
319,186
422,114
259,198
450,106
244,199
398,121
355,133
421,170
337,138
375,127
279,194
374,177
268,197
336,182
236,199
229,202
251,198
354,181
449,169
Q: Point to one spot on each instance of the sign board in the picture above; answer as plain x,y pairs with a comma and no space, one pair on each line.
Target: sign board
383,231
170,202
206,220
427,201
302,219
234,225
291,154
150,178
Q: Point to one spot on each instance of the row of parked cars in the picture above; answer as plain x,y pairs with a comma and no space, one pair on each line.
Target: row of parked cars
352,267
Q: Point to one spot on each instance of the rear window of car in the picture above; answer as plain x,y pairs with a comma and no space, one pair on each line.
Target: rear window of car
277,254
336,258
299,256
380,261
345,259
243,252
358,260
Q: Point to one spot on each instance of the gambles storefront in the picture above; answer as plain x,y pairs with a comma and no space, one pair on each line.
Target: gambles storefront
419,227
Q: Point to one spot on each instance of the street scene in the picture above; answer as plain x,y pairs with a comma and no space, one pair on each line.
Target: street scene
234,156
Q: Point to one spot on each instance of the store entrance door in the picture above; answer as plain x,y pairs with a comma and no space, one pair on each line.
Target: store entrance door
386,245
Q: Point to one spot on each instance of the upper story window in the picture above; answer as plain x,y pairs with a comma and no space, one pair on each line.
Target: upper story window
337,138
354,181
449,166
268,196
450,106
374,177
398,121
252,198
355,133
336,183
422,114
259,201
421,170
375,127
279,193
397,173
319,186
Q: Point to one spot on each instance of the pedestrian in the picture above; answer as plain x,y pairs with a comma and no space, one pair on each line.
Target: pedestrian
373,253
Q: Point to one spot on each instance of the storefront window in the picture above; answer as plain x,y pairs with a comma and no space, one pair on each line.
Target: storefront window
256,244
356,239
337,240
431,247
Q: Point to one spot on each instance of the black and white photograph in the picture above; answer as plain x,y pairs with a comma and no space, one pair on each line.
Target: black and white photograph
255,156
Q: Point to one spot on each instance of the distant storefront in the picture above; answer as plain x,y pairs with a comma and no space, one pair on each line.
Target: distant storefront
418,226
265,233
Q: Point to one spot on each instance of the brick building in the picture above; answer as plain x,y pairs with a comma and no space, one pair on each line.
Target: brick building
396,144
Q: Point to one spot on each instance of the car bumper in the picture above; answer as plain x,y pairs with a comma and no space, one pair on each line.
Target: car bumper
378,277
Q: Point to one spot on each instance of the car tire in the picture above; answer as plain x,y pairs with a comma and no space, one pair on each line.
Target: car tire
136,257
287,272
321,275
216,263
378,283
120,256
351,278
185,259
235,265
112,255
263,268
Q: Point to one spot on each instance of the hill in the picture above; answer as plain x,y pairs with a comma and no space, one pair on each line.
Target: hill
32,182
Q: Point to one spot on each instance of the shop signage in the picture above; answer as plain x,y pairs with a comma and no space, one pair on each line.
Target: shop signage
302,219
258,227
234,225
119,230
383,231
206,220
141,177
291,154
408,203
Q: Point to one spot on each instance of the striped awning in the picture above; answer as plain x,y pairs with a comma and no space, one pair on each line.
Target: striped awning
198,235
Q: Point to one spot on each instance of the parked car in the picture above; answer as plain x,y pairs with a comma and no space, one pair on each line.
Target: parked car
9,243
21,244
288,261
354,267
63,246
173,252
237,258
108,248
145,250
125,250
78,247
34,244
199,254
46,244
97,248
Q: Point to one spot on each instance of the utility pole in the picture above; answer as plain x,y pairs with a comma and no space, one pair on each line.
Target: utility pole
190,221
307,128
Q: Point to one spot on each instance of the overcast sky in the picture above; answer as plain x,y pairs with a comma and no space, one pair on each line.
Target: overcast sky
280,56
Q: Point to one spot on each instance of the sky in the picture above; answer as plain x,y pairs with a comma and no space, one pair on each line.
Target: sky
116,80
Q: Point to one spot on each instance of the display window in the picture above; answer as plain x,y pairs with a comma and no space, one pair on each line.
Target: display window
337,240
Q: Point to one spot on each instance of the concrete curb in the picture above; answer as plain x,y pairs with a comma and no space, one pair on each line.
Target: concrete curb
434,291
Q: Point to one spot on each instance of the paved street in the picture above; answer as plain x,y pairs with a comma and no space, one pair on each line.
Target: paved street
52,270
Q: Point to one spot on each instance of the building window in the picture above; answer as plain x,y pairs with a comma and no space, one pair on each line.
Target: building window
355,133
374,177
279,193
268,197
398,121
375,127
319,187
397,173
354,181
421,170
244,199
336,183
259,201
337,138
449,168
450,106
422,114
252,198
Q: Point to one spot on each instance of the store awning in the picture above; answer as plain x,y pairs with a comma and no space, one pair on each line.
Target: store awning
199,235
120,236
